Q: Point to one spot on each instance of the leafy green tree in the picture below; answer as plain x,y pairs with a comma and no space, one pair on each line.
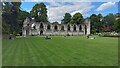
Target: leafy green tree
117,25
109,19
10,16
77,18
108,22
5,28
99,23
96,22
67,18
39,12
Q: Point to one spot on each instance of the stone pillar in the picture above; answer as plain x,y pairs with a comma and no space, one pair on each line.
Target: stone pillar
71,29
45,28
65,29
23,32
52,29
87,23
38,29
88,27
59,29
30,32
25,23
77,29
82,27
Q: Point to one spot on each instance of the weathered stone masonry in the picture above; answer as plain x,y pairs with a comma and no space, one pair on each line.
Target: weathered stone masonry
40,28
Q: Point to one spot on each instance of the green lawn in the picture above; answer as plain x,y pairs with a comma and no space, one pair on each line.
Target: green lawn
60,51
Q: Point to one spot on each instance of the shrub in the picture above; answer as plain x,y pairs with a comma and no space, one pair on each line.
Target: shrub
109,34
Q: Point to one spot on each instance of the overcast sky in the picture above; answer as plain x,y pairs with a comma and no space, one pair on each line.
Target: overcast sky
56,10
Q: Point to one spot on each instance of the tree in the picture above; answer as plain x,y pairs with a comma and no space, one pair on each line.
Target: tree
67,18
10,16
96,22
99,23
77,18
39,12
109,19
117,25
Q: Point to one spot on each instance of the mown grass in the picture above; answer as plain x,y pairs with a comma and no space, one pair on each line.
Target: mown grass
60,51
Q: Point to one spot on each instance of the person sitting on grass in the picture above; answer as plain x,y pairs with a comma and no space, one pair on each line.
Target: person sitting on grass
46,37
11,37
88,36
92,37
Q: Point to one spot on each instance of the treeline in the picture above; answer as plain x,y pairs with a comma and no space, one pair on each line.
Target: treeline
13,17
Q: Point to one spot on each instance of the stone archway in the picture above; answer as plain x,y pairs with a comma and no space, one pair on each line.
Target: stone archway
80,27
41,32
62,28
74,28
48,27
41,26
68,27
55,27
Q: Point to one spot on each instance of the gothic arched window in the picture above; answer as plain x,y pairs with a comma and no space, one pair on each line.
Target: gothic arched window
55,27
62,28
68,27
41,26
74,27
80,27
48,26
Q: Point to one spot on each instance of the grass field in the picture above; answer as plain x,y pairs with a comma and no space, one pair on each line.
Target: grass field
60,51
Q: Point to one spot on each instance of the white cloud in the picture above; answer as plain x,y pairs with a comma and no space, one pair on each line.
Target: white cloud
70,0
105,6
56,10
